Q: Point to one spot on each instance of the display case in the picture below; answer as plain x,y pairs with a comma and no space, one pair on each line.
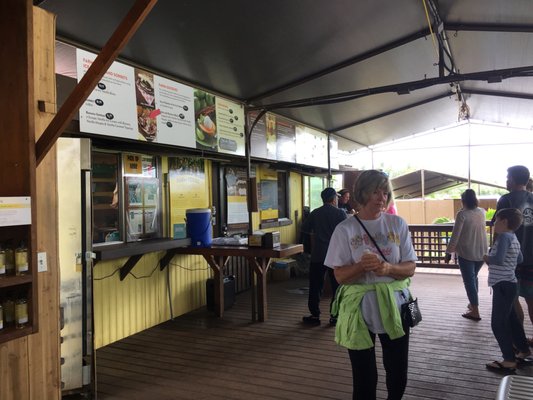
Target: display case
18,278
105,205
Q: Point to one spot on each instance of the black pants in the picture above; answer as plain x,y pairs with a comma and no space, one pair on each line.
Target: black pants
316,285
395,361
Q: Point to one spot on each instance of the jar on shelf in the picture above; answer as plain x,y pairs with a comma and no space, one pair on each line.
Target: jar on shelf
21,313
21,259
2,262
9,311
10,259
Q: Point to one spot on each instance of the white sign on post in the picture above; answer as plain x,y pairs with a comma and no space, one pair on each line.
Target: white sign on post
15,211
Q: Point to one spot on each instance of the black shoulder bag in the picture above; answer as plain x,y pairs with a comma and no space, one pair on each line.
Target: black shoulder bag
410,312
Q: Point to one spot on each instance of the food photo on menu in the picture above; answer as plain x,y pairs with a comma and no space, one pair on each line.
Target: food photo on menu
205,114
146,112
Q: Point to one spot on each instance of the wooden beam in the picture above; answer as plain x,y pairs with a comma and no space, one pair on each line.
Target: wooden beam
103,61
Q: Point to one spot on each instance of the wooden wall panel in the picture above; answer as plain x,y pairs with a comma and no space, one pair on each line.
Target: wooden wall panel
44,347
29,367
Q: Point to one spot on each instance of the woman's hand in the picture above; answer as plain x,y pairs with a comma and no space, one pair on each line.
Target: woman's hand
370,262
384,269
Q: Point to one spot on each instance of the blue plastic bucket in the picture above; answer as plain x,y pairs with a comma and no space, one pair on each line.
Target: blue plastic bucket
199,226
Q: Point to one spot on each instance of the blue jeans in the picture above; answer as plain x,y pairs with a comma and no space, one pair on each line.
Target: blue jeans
506,326
469,271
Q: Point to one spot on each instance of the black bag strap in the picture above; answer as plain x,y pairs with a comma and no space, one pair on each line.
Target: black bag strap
371,238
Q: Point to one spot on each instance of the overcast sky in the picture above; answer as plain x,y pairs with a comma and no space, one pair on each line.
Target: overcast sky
491,150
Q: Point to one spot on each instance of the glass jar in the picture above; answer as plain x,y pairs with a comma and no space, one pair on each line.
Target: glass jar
21,260
21,313
2,263
10,261
9,311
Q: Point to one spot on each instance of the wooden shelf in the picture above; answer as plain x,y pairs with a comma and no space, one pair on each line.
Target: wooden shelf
10,333
10,281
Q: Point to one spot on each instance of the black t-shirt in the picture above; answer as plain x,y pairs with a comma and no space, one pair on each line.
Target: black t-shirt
322,222
523,201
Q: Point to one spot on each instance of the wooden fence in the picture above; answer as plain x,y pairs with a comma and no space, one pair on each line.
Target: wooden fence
430,242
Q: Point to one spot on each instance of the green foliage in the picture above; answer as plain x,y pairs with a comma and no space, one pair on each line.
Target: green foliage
441,220
490,214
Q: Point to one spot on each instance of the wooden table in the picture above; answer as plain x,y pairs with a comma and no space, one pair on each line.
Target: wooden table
258,260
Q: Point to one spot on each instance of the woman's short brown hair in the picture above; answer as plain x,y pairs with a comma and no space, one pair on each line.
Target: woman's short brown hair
367,183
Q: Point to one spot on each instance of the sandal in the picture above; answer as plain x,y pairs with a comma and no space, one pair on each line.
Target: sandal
499,367
522,355
469,315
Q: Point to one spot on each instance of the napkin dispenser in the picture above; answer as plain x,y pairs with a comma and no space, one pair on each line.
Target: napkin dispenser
271,239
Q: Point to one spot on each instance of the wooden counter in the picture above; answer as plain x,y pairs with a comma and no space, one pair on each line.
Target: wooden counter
258,260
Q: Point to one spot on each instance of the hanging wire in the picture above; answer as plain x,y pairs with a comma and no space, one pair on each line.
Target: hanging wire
430,29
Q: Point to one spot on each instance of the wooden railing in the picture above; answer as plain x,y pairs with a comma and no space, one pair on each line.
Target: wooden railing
430,242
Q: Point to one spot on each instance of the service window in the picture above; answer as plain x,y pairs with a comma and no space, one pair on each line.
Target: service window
126,200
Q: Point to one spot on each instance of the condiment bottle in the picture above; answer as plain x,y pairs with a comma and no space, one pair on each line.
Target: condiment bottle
10,259
21,313
2,262
21,259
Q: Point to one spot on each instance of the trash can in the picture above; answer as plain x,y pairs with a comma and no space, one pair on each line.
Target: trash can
229,292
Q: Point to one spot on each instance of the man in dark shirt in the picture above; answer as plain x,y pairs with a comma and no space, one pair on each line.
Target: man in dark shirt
518,197
321,223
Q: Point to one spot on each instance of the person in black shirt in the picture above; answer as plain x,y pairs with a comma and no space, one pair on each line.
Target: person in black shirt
518,197
321,223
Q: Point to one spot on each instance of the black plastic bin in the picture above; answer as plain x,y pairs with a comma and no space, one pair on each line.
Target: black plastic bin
229,292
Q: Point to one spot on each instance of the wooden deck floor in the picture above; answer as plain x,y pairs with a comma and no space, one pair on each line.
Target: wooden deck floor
199,357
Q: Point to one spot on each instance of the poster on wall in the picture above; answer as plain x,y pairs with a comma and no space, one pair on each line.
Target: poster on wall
271,138
188,189
236,189
110,108
268,195
142,216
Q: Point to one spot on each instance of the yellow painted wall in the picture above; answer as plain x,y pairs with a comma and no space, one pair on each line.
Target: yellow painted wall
123,308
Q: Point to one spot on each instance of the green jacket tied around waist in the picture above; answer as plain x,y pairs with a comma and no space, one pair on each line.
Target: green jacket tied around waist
351,331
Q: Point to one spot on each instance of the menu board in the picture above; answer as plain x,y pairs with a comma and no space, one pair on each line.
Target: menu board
334,153
258,136
135,104
174,112
312,147
110,108
286,140
230,120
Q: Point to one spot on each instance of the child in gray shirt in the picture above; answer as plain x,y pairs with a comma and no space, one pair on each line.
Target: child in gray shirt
502,260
